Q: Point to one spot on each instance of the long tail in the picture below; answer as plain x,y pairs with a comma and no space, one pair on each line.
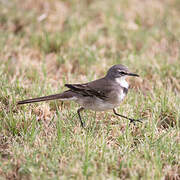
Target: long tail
66,95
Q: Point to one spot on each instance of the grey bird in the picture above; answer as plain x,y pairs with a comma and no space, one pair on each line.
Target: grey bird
100,95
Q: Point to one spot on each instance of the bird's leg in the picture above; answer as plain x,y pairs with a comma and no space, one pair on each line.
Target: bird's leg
78,111
131,120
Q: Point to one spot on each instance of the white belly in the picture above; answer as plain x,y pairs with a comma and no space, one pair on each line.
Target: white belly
98,104
121,96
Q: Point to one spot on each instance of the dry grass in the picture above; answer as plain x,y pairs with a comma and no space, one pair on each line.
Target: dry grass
47,43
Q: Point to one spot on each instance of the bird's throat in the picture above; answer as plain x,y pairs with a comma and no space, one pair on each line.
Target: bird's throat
122,82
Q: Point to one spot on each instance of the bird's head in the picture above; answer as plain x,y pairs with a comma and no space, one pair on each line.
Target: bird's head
118,71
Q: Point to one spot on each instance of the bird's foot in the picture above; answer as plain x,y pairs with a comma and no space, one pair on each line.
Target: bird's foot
136,120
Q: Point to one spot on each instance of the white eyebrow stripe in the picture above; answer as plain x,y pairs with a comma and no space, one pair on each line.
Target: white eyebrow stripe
121,71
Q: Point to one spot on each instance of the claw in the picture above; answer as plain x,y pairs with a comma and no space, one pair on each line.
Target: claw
134,120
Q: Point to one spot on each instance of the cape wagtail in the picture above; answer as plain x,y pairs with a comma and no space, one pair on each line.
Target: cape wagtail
99,95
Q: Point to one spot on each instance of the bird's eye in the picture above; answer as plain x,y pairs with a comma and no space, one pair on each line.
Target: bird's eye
121,72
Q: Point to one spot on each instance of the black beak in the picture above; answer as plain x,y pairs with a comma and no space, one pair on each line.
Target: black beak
132,74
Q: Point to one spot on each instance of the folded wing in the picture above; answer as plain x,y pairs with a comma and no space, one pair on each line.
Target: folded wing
93,88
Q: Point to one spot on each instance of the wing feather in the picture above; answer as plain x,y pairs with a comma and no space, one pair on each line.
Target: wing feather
93,88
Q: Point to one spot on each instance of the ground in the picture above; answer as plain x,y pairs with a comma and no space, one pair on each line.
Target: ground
45,44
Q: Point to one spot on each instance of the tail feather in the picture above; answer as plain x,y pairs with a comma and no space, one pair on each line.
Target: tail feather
67,95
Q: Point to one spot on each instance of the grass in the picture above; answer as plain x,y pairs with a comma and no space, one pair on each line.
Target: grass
47,44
